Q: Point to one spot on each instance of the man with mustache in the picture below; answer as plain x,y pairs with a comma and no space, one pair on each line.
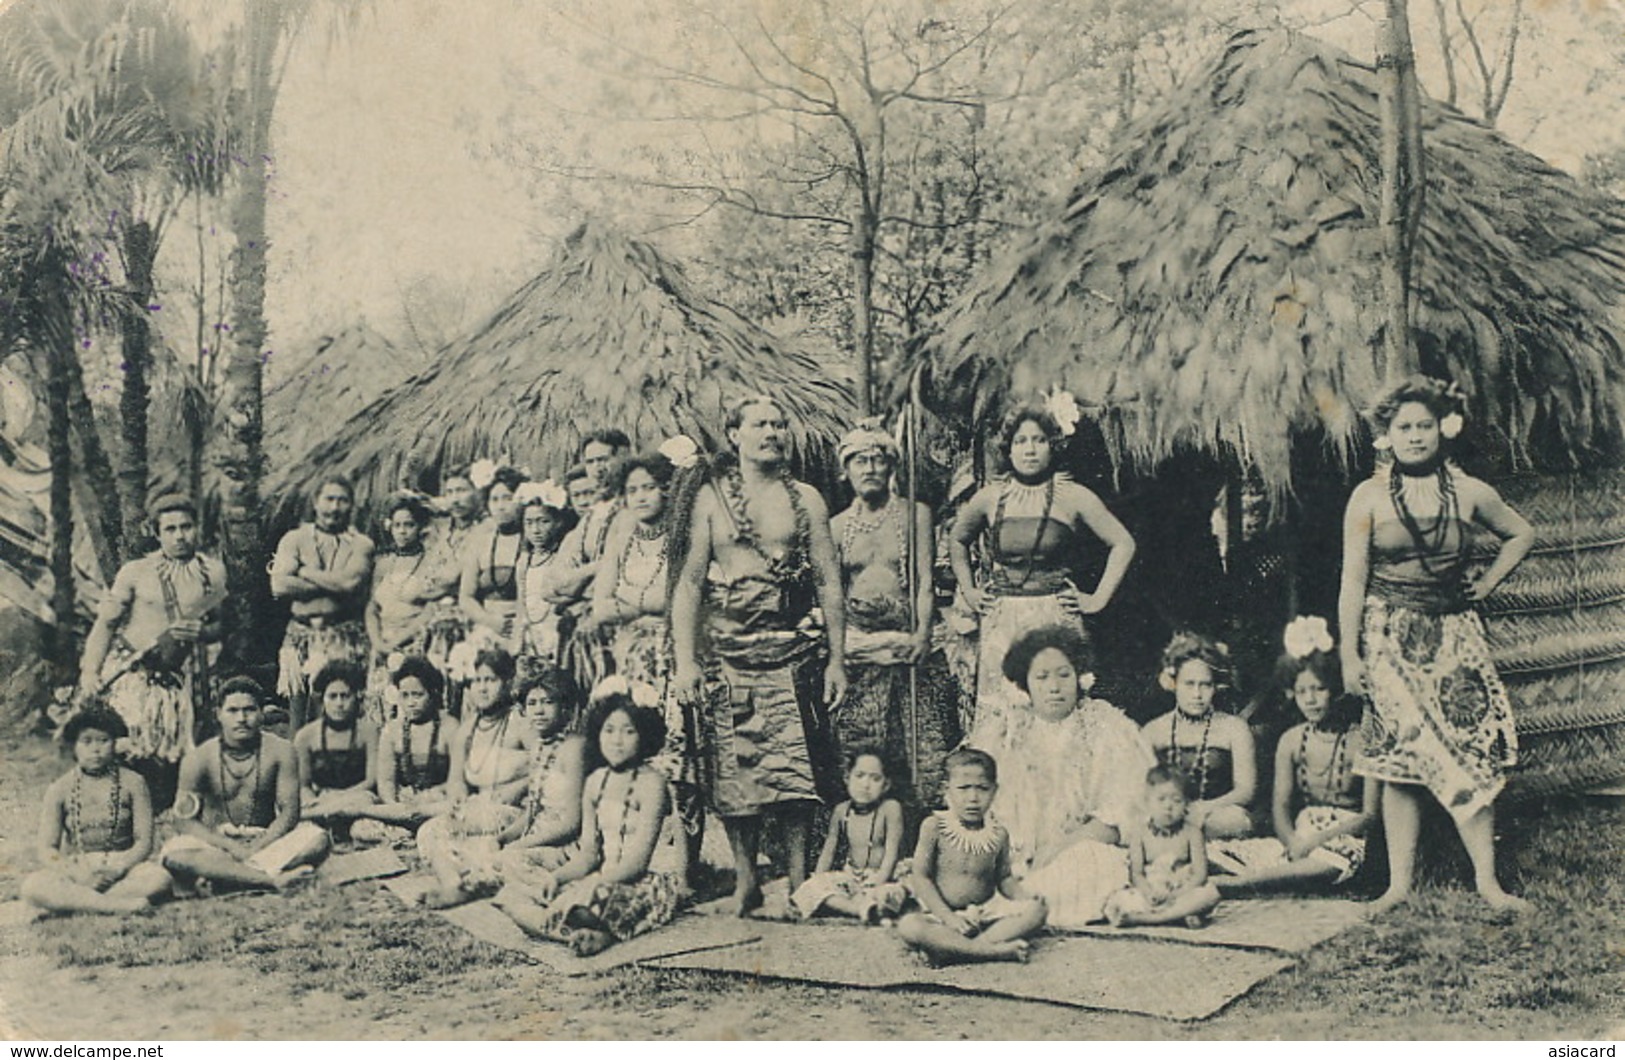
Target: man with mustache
782,671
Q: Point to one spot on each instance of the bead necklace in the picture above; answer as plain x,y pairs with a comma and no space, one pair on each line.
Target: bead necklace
241,778
1430,544
349,728
795,563
859,522
1329,774
628,805
410,775
1201,754
656,574
539,774
981,841
76,818
872,814
1013,488
500,728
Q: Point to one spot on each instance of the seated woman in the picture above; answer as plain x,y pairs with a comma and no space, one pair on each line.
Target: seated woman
338,752
414,756
490,767
626,877
1212,748
540,837
1072,778
95,829
396,615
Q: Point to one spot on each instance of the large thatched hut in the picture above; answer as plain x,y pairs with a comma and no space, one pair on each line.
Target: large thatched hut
340,375
608,334
1211,298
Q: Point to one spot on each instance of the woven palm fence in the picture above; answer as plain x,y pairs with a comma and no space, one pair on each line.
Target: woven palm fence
1557,630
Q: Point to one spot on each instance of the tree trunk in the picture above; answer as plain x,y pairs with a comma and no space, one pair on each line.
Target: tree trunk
60,354
238,455
106,531
863,312
1403,182
136,397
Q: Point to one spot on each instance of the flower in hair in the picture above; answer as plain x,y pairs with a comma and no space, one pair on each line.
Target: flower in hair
1450,426
1086,682
613,685
547,492
1382,443
394,661
1063,408
644,695
1306,635
1166,679
681,450
481,473
460,661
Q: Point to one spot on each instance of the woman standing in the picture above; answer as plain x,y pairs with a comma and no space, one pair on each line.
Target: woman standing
545,519
489,590
1037,524
1439,720
395,617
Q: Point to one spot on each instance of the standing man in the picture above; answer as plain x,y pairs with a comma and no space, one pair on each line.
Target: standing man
237,817
322,568
782,672
149,652
902,698
568,583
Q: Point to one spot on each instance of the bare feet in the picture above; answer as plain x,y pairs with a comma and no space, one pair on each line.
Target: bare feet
747,899
284,880
444,897
586,942
1389,900
1193,922
1504,902
1018,950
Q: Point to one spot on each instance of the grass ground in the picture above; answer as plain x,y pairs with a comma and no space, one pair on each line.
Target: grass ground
354,963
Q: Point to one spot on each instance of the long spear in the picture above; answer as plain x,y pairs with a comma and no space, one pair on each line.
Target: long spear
911,428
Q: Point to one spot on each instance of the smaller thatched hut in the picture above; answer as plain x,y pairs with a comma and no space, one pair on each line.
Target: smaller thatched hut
343,374
609,334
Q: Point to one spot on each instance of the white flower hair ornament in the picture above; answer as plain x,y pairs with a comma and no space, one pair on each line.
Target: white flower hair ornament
395,660
1063,408
1450,426
1381,443
1166,679
1086,682
682,451
460,661
1306,635
641,693
481,473
547,493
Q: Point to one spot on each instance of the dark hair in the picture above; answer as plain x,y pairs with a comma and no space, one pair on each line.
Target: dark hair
1323,664
560,686
1439,396
648,721
1012,423
869,749
736,412
339,670
242,684
99,718
497,660
1187,646
171,502
654,462
971,758
410,503
576,473
613,437
1165,774
1069,640
510,477
428,676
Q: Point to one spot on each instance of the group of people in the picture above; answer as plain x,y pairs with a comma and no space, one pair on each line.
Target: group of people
550,699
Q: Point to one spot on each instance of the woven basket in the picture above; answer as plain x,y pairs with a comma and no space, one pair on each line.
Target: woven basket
1557,631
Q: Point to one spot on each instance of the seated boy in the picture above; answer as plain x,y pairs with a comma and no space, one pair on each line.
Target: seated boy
237,811
975,910
95,828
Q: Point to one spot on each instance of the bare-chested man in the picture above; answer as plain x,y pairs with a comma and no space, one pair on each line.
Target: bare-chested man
568,583
888,630
768,537
149,651
322,568
237,813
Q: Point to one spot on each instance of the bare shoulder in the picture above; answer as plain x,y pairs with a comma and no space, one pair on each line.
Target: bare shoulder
277,749
811,498
57,789
1366,495
1159,727
1231,726
1291,740
306,737
1475,491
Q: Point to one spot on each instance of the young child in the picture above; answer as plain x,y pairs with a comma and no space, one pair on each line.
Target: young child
1324,842
1212,749
338,752
869,826
95,828
626,877
1167,862
975,909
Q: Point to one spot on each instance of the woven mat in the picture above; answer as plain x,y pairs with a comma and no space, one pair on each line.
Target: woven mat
1288,925
685,935
373,864
1146,976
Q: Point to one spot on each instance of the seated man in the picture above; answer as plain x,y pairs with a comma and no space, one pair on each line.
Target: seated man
237,811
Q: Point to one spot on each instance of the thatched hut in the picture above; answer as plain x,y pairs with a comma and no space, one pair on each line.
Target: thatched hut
609,334
341,375
1211,298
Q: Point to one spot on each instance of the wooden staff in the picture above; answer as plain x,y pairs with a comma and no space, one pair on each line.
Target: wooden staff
911,427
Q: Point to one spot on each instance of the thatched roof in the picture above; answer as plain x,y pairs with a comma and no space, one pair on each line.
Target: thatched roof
342,375
609,334
1216,286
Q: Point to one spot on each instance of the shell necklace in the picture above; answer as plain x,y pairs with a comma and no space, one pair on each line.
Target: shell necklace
249,778
76,819
1201,754
860,522
984,840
